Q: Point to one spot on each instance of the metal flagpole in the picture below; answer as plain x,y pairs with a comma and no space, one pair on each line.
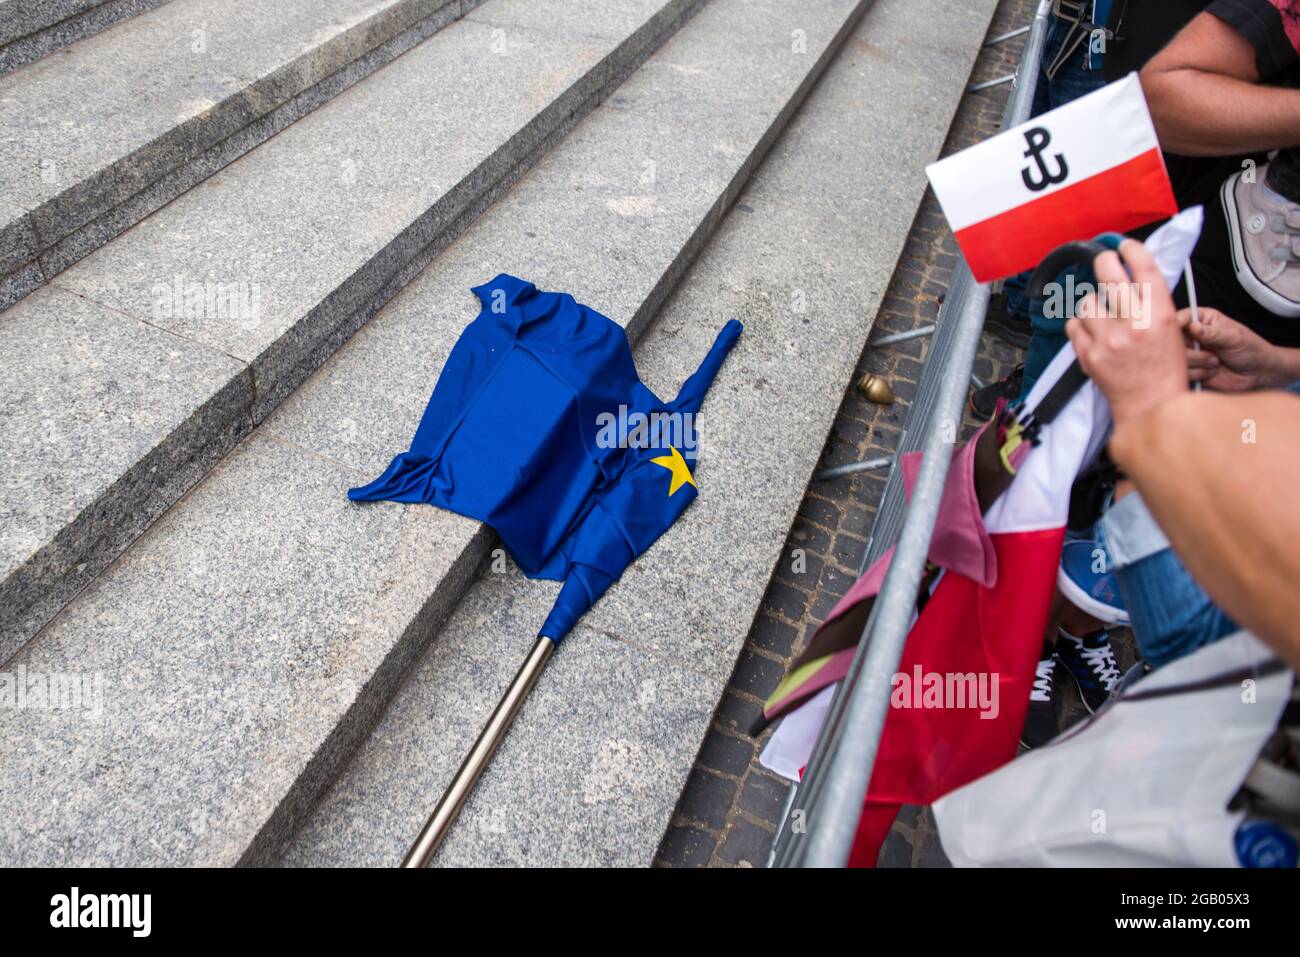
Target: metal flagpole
476,761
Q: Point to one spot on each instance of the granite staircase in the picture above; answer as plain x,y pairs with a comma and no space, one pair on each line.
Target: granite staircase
286,677
31,29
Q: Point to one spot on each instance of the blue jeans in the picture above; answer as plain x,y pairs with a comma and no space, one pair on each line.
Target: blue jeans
1073,80
1171,616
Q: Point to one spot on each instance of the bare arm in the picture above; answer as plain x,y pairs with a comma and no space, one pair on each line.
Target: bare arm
1220,473
1206,99
1228,505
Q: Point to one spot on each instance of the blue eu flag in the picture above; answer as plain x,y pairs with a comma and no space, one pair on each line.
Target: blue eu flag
540,427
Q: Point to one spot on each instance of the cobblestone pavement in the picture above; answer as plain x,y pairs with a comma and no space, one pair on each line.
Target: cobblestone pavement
728,813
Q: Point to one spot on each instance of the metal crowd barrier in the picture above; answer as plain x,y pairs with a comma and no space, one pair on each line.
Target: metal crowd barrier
823,809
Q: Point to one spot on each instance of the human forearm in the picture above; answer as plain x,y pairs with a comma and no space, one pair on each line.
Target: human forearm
1284,366
1219,474
1207,114
1207,98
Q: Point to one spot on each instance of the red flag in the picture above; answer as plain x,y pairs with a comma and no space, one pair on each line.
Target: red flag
1089,167
959,699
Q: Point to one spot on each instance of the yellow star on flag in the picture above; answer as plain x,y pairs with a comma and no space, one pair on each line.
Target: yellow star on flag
677,466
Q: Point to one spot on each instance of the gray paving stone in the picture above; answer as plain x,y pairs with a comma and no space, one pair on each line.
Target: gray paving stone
764,796
317,204
696,65
840,179
685,847
20,282
810,537
910,814
98,137
566,226
726,753
19,271
928,243
596,798
746,844
737,713
295,245
787,600
757,675
707,799
88,464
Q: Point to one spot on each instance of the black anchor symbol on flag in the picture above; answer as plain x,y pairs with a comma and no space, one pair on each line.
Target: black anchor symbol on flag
1037,140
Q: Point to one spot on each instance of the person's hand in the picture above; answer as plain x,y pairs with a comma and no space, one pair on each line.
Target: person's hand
1127,335
1231,357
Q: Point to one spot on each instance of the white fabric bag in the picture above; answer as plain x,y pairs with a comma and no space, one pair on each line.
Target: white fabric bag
1145,782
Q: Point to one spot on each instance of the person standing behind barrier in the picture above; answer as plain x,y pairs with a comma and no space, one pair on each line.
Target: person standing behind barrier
1228,85
1136,30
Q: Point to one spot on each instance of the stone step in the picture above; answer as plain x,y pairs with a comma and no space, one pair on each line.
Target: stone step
593,768
134,371
31,29
252,637
97,138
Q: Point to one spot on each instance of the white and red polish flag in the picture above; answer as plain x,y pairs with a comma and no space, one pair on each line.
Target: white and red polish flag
1089,167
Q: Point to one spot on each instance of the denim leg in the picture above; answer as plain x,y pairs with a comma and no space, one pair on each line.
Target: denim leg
1073,79
1171,616
1129,532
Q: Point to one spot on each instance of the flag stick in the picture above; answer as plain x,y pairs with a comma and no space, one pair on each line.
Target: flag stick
489,739
1191,302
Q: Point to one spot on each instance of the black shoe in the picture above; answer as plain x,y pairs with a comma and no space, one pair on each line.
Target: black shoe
1006,325
1090,661
1043,720
984,401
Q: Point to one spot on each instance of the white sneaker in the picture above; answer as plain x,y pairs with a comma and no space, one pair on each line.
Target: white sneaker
1265,231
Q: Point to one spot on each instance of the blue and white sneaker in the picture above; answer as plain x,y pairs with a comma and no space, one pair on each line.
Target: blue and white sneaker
1090,661
1087,579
